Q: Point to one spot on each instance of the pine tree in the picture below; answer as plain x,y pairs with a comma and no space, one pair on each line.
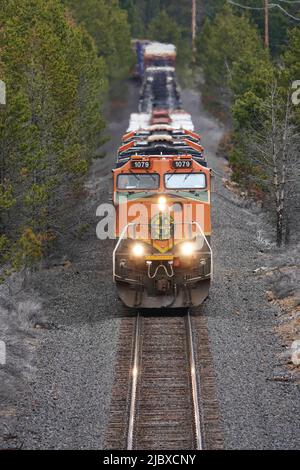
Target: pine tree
164,29
108,24
51,126
224,41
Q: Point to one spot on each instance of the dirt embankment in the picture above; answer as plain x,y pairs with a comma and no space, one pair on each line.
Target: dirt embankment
281,272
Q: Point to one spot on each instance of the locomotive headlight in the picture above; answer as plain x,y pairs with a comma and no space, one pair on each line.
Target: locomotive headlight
187,249
162,203
138,250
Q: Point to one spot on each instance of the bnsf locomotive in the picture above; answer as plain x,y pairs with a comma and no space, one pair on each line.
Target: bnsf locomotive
162,195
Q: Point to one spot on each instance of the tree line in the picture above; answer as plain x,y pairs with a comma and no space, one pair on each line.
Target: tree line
56,59
264,145
170,21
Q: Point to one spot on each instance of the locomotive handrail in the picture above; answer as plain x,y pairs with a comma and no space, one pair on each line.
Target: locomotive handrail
117,246
210,249
208,244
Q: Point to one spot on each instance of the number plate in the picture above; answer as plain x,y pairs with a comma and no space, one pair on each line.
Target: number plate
140,164
181,164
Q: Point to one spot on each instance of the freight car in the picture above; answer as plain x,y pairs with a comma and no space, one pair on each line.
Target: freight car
152,54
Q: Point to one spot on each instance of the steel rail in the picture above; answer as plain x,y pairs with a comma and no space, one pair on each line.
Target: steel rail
135,373
195,394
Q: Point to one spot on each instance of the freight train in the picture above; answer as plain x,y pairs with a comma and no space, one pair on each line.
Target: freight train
162,196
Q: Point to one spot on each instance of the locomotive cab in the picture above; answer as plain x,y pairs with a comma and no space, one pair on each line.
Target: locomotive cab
162,257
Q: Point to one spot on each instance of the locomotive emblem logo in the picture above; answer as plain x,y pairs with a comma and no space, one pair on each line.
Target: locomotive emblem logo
162,232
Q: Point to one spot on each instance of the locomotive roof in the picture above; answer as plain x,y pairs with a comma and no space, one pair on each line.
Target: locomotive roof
160,49
160,69
200,159
160,147
179,120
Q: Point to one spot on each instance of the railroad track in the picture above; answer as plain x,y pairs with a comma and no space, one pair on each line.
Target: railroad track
164,404
158,404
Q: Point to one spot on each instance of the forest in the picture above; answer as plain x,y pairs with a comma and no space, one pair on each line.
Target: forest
59,58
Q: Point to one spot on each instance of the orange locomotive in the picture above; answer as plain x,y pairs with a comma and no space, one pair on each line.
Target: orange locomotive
162,256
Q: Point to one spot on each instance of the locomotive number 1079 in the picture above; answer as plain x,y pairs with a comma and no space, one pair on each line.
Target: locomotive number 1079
179,164
140,164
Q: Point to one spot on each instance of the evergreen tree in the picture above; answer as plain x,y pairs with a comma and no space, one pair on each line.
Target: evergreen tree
224,41
164,29
108,24
51,125
136,22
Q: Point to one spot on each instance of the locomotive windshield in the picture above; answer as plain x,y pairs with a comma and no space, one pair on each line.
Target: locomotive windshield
134,181
185,181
